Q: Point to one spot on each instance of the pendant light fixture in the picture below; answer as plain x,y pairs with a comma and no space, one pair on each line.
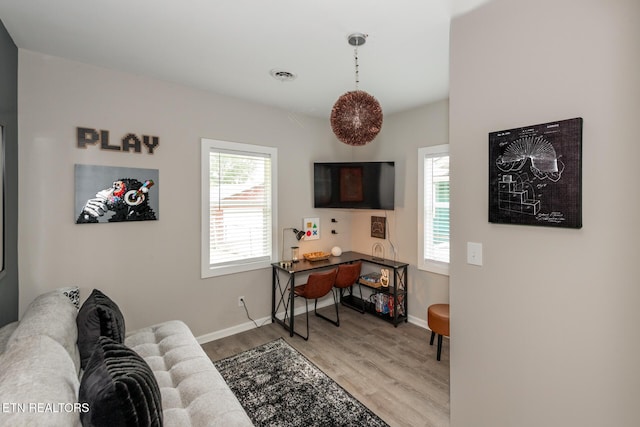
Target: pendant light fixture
356,117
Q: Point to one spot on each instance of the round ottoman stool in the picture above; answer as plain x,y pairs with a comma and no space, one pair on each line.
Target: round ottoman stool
438,320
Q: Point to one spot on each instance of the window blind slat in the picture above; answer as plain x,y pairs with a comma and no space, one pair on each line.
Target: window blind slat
436,208
240,207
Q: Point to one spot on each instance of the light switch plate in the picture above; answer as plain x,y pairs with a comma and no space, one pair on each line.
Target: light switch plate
474,253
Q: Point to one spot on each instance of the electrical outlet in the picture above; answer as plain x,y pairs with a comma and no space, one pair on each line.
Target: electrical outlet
240,300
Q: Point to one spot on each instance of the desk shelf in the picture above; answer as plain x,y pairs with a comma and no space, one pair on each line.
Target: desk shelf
392,308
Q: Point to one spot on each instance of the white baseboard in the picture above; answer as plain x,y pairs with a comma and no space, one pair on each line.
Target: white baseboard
212,336
419,322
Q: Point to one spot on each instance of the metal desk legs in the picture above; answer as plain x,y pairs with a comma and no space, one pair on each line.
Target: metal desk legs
285,301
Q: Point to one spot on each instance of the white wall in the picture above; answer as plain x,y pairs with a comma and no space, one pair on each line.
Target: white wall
401,136
151,269
546,331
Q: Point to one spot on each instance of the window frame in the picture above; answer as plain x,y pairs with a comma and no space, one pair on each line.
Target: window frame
212,145
424,264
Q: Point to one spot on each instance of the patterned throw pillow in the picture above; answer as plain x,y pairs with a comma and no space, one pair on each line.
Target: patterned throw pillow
73,293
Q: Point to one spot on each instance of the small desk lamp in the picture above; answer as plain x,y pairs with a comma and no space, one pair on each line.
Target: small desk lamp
294,249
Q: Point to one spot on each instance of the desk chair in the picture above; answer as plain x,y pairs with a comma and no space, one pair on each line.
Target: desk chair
348,275
317,286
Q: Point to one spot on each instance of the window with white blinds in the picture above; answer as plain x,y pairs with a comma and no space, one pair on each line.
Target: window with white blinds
238,200
433,209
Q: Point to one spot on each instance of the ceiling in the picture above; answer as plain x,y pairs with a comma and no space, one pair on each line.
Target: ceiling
230,46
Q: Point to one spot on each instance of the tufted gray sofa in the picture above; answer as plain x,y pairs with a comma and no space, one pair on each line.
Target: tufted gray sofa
40,371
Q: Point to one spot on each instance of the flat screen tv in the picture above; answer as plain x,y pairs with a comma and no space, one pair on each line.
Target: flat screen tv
354,185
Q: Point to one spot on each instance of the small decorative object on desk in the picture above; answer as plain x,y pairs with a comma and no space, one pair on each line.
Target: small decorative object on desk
377,251
336,251
316,256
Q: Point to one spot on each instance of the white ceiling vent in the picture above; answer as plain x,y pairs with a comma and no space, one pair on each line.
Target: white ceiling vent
282,75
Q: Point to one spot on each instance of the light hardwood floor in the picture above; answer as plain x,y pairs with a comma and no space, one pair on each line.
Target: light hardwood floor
393,371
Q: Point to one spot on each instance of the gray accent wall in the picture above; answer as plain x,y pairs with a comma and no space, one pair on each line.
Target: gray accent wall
9,120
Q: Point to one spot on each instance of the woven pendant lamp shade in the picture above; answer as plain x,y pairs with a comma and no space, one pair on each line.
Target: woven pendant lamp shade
356,118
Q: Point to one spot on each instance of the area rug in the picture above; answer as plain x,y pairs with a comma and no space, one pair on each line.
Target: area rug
278,386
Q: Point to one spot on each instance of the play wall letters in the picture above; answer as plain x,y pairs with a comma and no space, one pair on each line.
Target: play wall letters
131,141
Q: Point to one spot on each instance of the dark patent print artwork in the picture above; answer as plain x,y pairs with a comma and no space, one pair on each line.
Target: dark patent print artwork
535,175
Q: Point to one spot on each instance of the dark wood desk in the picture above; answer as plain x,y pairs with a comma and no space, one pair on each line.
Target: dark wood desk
282,296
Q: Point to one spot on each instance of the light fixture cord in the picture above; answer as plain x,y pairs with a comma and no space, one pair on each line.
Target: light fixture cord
355,54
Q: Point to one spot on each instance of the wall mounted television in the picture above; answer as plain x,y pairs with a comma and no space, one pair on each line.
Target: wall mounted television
354,185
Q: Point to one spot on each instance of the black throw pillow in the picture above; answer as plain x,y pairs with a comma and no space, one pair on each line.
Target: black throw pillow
98,316
119,388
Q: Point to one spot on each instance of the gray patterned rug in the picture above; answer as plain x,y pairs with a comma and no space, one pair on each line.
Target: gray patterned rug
278,386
